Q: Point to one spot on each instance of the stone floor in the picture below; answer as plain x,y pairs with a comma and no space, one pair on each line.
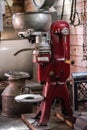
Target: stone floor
18,124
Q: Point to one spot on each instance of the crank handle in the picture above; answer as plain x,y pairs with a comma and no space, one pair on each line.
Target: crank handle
69,62
25,49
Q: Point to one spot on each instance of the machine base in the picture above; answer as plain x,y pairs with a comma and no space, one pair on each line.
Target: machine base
53,123
33,123
68,121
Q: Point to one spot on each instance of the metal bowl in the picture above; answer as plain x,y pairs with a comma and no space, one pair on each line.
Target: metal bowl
39,21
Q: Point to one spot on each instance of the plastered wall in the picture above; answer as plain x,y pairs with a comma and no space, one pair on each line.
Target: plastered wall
78,37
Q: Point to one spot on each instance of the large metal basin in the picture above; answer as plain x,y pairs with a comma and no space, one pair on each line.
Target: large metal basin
39,21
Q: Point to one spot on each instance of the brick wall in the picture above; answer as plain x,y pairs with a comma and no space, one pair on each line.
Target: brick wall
17,6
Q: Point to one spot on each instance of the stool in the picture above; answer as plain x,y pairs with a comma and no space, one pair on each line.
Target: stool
79,89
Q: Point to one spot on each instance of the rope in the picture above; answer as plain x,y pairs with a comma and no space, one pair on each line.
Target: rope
74,14
62,10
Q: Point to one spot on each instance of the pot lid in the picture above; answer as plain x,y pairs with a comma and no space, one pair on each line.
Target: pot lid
32,98
17,75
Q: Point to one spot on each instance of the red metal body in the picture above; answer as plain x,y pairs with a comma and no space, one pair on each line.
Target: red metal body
55,72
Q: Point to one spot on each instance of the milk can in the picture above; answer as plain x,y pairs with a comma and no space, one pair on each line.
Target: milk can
10,107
